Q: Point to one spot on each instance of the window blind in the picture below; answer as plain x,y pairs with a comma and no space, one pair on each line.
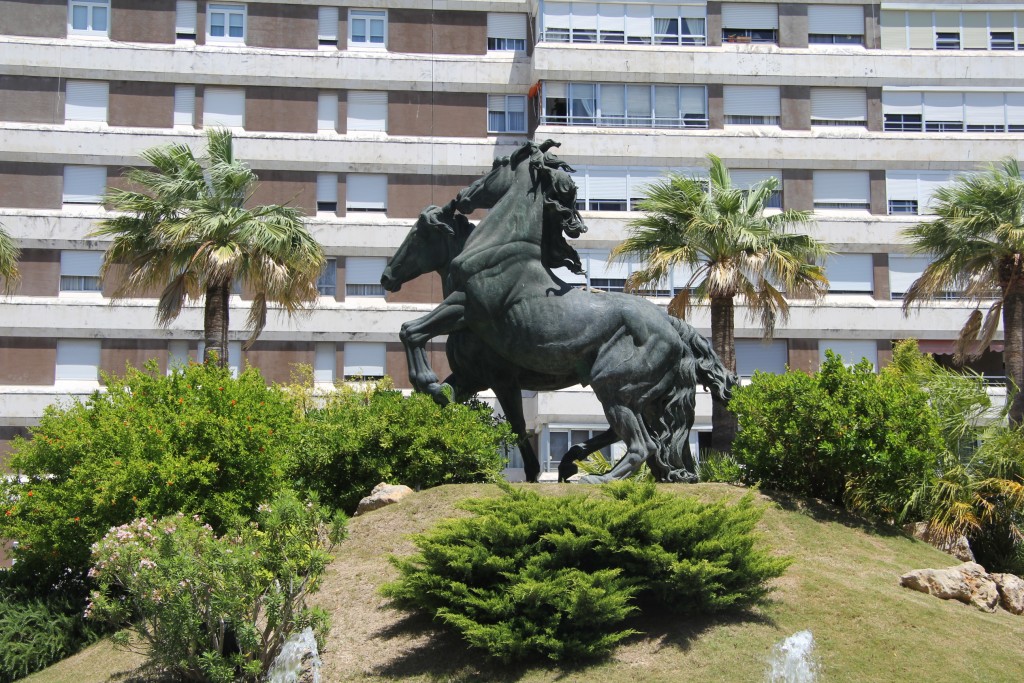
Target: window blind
81,263
850,350
761,16
84,184
901,102
327,112
850,273
841,187
326,187
185,18
327,24
364,270
506,26
984,109
86,101
753,355
904,270
745,179
325,361
366,192
365,359
184,105
223,107
836,19
78,360
839,104
752,100
368,110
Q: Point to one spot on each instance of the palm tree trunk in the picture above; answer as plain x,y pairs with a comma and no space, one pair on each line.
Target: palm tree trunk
215,324
1013,353
723,339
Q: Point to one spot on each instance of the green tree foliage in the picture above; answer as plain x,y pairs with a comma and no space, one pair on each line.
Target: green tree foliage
360,437
195,441
556,577
977,249
184,230
844,435
732,249
9,254
215,608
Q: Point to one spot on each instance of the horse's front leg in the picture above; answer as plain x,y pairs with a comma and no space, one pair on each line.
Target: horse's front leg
445,319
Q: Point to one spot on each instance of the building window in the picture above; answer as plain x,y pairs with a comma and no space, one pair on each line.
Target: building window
325,363
364,192
745,180
835,24
86,101
839,107
184,105
362,276
327,193
1001,40
506,113
912,192
633,24
757,105
756,355
225,23
840,190
80,271
327,112
851,351
223,107
367,28
904,270
177,355
78,360
364,360
947,40
327,283
903,123
367,111
942,111
618,105
327,27
850,273
88,17
185,20
561,439
506,32
750,23
902,206
84,184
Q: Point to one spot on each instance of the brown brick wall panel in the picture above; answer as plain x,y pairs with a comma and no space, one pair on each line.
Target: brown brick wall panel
116,354
27,360
716,106
714,23
803,355
276,25
40,18
276,360
7,436
880,276
797,189
878,202
408,195
140,104
884,353
396,365
31,186
796,107
439,114
142,21
115,277
872,29
792,25
280,110
426,289
875,116
440,32
291,188
30,99
40,272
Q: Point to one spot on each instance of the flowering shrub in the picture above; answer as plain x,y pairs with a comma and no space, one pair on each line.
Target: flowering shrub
211,607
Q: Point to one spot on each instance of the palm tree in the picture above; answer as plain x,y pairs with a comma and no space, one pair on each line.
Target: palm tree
733,249
9,253
186,232
977,249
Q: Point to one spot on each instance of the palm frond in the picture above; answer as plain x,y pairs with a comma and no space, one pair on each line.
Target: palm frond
9,254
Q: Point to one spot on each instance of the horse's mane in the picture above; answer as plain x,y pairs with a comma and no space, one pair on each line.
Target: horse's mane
708,366
561,218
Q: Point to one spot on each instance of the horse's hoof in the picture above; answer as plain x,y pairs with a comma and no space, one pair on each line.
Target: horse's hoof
441,393
592,479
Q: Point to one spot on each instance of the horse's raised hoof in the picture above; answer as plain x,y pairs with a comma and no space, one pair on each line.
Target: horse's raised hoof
441,393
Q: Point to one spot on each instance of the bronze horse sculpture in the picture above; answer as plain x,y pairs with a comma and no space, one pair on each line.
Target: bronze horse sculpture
513,324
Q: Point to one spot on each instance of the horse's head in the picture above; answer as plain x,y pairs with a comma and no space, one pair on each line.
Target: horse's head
717,379
437,237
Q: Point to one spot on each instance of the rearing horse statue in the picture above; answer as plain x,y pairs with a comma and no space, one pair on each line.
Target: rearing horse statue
641,364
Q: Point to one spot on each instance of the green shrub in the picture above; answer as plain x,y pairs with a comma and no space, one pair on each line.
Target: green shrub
361,437
556,576
36,632
195,441
216,608
718,466
844,435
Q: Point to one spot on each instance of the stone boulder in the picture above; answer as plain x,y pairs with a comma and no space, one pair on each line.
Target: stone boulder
1011,592
381,495
968,583
958,547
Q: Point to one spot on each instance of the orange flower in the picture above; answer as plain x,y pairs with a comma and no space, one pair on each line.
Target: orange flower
10,512
76,519
233,401
31,493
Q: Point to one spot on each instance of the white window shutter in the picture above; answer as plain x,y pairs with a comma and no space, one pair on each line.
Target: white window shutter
639,21
901,185
841,187
613,100
325,361
326,187
752,100
976,32
745,179
364,270
235,357
850,350
177,355
86,101
184,105
366,192
506,26
850,273
584,15
943,106
557,15
327,24
754,354
78,360
904,270
759,16
84,184
839,104
365,359
600,268
928,183
984,108
185,18
901,102
327,112
368,110
81,263
693,100
606,184
223,107
1015,108
836,20
611,17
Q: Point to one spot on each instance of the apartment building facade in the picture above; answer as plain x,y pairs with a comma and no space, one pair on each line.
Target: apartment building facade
362,113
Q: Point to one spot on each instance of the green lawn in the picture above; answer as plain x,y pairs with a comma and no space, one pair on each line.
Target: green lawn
842,586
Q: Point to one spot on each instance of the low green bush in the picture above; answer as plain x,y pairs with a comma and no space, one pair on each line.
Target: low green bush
195,441
215,608
556,577
715,466
361,437
845,435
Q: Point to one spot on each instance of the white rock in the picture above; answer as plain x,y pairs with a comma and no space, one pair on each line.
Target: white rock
967,583
1011,592
382,494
